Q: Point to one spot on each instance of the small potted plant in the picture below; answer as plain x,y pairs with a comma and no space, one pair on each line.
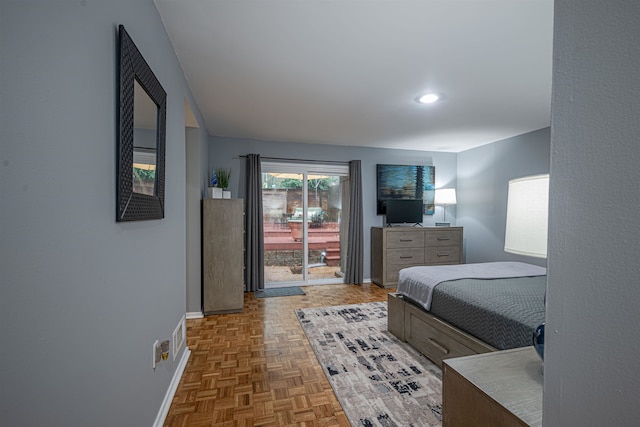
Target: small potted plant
214,192
222,176
220,183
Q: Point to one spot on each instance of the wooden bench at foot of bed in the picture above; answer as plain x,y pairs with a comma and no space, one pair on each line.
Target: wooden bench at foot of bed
428,334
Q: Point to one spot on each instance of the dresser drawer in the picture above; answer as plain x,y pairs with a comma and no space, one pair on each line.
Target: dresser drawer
424,334
442,255
444,237
393,271
405,239
409,256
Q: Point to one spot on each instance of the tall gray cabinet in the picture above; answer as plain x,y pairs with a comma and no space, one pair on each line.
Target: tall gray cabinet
222,255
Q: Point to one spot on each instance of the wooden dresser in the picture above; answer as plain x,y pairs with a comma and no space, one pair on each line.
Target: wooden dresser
395,248
222,255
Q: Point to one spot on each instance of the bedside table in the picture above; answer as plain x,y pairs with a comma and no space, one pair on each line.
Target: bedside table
502,388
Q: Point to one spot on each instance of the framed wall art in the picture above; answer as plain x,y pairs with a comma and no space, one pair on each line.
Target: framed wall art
405,182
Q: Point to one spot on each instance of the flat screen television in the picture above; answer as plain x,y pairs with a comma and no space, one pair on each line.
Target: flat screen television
404,211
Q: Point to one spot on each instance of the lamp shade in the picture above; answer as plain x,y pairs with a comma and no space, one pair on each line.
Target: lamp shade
445,196
527,216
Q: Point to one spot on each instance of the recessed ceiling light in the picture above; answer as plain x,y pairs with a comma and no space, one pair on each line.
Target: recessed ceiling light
428,98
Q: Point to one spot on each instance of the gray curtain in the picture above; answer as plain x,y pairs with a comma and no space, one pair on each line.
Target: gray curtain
254,237
355,244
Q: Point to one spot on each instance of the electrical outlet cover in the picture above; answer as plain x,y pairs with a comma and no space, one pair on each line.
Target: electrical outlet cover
157,353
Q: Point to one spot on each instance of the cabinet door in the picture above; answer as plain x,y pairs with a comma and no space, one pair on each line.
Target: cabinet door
222,255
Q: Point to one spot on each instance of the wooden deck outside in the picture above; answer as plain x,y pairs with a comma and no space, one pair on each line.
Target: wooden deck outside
326,238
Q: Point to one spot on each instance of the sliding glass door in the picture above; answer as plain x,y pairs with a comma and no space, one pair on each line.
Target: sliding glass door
302,214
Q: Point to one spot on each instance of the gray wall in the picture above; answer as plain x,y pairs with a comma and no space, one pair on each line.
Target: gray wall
195,185
82,297
592,375
225,152
483,177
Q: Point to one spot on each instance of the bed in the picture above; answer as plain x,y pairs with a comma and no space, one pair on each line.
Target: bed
459,310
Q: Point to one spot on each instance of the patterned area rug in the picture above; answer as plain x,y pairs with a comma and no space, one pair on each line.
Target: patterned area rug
378,380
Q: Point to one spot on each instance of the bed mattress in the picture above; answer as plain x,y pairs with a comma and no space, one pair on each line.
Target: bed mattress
501,312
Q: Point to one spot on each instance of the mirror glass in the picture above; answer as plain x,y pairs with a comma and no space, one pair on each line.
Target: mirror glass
145,130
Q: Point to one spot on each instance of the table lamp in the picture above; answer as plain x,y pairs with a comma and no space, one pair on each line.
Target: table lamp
526,228
527,216
444,197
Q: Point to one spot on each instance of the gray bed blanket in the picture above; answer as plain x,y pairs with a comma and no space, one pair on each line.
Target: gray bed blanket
501,312
418,283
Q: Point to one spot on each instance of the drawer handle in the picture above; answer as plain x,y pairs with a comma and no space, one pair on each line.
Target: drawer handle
443,254
406,240
444,238
439,346
405,257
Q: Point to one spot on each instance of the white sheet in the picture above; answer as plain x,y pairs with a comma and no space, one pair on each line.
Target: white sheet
418,283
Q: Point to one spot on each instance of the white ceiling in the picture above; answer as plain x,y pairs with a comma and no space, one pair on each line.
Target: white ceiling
347,72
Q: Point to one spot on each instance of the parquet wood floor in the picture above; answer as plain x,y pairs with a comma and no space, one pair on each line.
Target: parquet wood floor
256,368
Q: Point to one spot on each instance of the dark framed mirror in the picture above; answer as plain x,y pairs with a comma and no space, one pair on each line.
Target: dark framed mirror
141,136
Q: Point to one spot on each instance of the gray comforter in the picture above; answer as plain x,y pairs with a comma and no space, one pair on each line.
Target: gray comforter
501,312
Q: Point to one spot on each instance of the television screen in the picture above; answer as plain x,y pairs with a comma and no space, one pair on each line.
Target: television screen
401,211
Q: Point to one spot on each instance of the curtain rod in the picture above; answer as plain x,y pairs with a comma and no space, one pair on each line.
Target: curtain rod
301,160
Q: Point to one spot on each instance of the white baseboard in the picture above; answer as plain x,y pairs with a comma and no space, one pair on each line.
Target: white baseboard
194,315
171,391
